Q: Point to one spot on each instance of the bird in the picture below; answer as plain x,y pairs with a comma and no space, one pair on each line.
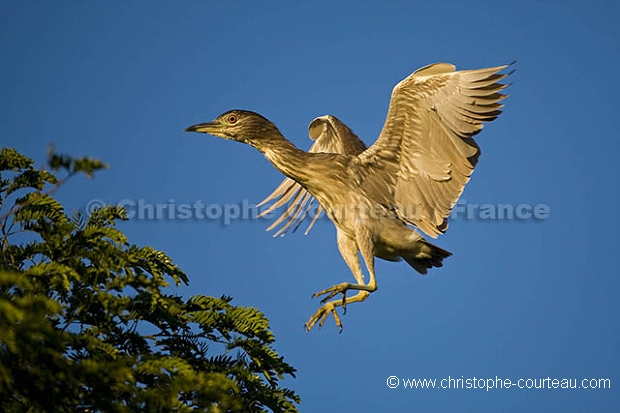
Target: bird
378,197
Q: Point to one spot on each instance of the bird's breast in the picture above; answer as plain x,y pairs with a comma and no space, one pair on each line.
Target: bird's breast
350,210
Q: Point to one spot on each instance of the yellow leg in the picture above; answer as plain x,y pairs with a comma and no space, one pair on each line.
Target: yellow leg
349,250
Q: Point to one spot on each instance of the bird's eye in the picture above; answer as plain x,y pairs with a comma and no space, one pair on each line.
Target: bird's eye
232,119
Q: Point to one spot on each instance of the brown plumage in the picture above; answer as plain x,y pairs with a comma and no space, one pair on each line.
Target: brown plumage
412,175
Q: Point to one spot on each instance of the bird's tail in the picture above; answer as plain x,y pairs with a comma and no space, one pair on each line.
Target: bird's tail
428,256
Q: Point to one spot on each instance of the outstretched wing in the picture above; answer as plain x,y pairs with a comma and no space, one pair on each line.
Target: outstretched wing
330,135
426,153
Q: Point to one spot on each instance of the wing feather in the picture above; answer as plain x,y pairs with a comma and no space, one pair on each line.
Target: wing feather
426,151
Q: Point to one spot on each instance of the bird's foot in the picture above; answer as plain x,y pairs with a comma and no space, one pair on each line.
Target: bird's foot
330,307
321,315
334,291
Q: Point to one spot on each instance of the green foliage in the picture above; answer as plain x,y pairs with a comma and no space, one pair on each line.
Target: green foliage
86,323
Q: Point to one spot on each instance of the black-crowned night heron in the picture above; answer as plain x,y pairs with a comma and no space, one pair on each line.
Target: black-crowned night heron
412,175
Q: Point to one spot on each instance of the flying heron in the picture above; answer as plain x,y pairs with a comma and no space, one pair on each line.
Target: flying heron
410,177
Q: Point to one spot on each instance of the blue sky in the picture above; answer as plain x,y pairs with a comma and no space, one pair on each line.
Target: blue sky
519,299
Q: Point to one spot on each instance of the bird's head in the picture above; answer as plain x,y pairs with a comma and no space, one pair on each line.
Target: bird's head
238,125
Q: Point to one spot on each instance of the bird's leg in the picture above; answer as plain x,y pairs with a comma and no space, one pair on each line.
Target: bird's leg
349,250
365,243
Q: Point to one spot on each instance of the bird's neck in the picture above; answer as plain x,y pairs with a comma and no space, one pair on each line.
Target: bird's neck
285,157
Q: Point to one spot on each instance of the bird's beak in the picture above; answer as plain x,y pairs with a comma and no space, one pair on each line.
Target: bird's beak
207,127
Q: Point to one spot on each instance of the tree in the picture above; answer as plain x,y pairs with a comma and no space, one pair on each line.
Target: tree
86,323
